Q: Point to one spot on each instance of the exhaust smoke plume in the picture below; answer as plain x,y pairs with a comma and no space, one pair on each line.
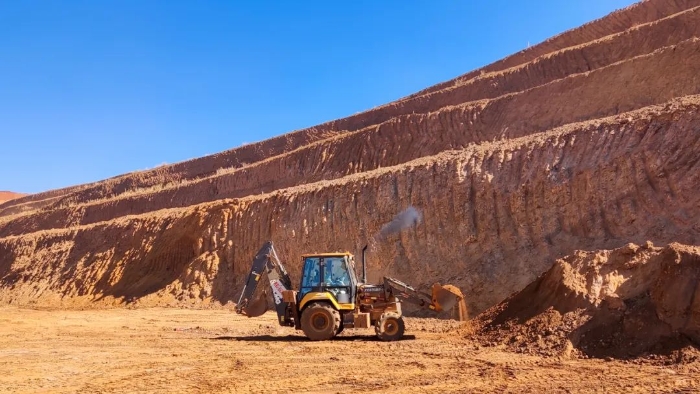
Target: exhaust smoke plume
410,217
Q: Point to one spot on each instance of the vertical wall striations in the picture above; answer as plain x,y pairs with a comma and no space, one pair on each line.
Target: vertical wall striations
412,136
495,216
588,140
645,26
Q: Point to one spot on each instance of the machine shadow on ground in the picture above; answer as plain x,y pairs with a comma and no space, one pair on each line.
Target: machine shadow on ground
298,338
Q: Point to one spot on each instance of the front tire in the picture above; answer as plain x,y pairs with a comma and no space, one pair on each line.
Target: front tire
390,327
320,321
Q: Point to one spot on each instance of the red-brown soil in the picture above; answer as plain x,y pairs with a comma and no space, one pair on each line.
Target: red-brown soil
159,350
7,196
587,141
620,37
635,301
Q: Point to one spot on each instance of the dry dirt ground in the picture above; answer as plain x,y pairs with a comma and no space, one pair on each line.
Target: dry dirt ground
185,350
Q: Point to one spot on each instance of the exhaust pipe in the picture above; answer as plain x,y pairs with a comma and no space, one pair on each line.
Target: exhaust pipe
364,265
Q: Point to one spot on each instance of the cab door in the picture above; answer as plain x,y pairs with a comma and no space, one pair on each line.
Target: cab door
310,277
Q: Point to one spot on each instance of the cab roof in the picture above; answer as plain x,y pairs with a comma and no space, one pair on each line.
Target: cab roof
338,254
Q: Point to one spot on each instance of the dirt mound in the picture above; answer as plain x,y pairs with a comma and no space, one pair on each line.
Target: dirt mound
622,303
7,196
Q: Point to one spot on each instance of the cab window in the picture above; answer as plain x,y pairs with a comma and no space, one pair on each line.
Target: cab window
336,272
337,279
311,276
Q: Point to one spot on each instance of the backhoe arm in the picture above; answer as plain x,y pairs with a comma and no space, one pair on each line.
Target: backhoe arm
265,262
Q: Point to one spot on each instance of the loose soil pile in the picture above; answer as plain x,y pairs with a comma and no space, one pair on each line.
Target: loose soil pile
635,301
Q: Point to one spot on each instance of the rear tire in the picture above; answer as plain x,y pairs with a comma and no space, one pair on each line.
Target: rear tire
320,321
390,327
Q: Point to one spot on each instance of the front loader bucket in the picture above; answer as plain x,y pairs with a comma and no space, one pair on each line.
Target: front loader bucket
447,297
257,307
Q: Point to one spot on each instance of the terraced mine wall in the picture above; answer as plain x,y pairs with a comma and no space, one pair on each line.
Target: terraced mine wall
573,43
414,136
586,146
494,217
616,22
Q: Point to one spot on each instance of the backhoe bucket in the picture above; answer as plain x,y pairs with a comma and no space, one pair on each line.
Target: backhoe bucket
257,307
447,297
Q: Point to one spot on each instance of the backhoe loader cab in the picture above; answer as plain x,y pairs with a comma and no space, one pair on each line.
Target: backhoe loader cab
331,274
331,298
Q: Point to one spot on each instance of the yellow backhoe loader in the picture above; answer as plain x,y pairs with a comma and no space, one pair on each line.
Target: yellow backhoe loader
330,297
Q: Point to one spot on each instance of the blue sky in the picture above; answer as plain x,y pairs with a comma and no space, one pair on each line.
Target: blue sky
94,89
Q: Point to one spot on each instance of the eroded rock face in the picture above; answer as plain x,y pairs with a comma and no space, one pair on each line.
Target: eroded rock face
589,141
493,217
626,302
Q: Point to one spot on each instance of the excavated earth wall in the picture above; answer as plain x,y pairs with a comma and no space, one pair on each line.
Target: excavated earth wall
620,20
626,21
494,217
589,140
416,136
